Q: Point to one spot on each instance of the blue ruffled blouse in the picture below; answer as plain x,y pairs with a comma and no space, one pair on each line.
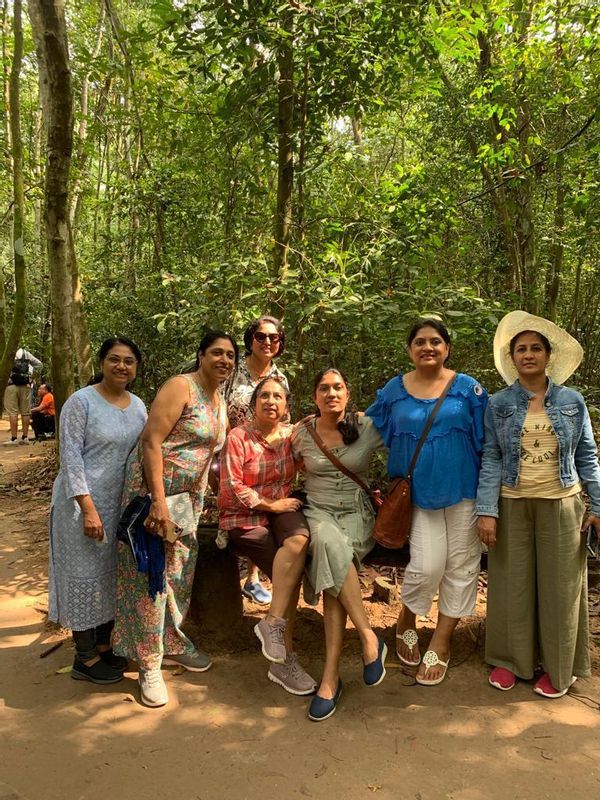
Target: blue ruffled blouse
447,469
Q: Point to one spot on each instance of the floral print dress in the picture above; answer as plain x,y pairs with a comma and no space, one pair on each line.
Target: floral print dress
145,629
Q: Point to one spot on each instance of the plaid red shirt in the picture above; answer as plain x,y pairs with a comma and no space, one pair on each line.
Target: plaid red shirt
253,469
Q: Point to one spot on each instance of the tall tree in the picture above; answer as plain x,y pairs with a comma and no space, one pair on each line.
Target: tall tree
14,95
49,26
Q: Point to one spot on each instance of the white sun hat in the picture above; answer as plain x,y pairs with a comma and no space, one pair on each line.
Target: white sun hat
566,354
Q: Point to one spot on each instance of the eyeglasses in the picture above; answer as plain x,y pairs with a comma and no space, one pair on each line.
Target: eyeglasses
115,360
261,337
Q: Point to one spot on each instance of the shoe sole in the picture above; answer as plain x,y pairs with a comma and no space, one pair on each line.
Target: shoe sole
554,696
287,688
502,688
259,636
384,653
250,596
81,676
172,663
331,713
407,663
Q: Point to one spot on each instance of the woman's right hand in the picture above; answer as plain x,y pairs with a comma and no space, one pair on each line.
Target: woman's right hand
486,528
284,505
92,524
157,519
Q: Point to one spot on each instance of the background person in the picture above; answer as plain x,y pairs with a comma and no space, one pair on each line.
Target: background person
265,524
42,415
17,396
264,341
99,427
186,424
539,454
444,547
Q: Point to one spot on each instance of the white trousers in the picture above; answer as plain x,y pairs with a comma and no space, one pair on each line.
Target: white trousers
445,553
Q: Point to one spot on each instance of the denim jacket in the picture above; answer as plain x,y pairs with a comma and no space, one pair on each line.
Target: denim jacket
504,418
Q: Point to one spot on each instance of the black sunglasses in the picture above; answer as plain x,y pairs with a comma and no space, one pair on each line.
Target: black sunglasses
262,337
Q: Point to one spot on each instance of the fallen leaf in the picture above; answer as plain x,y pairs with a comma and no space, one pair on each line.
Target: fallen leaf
178,671
128,699
64,670
374,787
548,756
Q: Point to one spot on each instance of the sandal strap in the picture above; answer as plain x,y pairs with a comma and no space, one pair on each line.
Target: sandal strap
409,637
431,659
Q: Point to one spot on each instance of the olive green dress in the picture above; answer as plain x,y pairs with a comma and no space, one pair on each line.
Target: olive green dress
338,511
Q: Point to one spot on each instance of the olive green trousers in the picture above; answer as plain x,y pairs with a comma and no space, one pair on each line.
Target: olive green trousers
537,609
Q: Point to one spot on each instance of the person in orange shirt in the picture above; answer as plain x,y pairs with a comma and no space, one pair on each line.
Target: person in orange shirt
42,415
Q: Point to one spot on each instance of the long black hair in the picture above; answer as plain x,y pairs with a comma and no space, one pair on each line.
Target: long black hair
348,426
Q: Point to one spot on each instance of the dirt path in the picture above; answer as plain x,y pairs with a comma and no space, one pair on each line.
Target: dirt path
230,733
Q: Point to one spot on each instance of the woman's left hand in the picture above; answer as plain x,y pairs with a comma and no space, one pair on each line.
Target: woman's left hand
591,520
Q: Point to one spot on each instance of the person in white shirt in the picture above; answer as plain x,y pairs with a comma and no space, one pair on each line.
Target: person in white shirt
17,397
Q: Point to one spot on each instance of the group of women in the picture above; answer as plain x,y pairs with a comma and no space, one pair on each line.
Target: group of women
508,473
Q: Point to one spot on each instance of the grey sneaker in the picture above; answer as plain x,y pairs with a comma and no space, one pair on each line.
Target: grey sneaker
271,638
193,662
292,676
152,688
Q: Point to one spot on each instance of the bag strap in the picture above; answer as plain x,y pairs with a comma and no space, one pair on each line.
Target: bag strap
428,425
334,459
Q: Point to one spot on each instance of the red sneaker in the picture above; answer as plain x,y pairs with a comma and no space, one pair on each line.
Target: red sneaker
544,687
502,678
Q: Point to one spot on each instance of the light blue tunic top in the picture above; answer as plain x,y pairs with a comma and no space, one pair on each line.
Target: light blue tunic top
96,438
447,469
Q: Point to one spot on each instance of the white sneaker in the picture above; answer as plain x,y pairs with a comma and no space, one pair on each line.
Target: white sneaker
11,441
153,690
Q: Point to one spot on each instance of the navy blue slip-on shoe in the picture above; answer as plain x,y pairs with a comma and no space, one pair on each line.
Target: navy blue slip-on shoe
374,672
321,709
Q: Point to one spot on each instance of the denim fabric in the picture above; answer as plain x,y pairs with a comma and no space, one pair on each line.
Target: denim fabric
504,418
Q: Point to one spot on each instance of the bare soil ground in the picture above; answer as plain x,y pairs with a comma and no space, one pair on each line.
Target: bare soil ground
230,733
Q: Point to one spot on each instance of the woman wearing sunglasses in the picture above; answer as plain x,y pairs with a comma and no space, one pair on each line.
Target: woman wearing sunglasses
264,340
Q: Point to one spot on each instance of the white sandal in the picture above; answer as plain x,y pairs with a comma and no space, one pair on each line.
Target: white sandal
431,659
410,639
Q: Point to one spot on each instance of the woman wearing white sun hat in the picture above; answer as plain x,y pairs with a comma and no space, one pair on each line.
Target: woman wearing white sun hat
539,453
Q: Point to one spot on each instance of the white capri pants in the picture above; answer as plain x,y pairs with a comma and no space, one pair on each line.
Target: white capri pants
445,554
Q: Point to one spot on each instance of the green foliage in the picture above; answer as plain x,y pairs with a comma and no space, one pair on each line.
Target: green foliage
429,167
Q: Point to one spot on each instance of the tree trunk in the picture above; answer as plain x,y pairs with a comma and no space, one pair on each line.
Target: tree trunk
79,328
16,328
51,35
6,131
285,142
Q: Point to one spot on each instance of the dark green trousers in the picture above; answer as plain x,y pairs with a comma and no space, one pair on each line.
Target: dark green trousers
537,608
